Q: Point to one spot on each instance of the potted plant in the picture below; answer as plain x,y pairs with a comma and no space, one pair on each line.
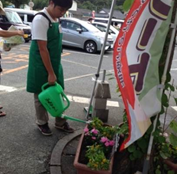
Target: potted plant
96,148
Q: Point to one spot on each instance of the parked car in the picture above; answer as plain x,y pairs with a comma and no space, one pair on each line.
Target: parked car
81,34
12,18
114,22
103,27
26,15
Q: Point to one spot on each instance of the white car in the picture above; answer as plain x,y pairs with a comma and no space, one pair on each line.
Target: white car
81,34
26,15
103,27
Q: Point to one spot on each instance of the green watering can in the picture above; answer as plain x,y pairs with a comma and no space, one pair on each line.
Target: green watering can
55,101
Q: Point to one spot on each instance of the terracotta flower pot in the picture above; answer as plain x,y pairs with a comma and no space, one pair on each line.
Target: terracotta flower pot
82,168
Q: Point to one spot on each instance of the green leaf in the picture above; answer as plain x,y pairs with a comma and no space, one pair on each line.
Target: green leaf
173,125
169,86
127,5
137,154
173,140
132,157
175,100
165,100
142,143
132,148
161,139
111,78
168,77
171,172
157,171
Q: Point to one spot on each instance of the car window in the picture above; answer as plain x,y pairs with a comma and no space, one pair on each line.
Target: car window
21,16
3,18
84,29
102,28
30,17
13,17
63,24
73,26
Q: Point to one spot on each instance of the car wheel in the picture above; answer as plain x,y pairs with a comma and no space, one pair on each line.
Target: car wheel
90,47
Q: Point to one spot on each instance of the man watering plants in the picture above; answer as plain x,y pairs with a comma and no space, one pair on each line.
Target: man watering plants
45,59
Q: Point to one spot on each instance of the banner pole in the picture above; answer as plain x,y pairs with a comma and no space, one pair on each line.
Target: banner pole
174,27
101,57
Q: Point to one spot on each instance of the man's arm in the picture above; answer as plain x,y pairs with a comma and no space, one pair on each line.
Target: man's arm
5,33
46,60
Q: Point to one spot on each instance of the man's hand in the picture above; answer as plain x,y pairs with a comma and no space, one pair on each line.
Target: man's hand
20,32
52,79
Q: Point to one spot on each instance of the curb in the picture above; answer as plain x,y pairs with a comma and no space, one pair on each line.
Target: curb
55,161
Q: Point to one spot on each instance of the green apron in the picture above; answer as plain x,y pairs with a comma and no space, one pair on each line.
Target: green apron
37,73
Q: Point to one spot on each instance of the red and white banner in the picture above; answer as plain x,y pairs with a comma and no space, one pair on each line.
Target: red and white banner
137,52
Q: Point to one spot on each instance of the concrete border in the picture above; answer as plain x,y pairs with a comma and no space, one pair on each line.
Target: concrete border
55,161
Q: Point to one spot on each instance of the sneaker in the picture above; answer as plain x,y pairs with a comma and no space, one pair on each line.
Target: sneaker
65,127
45,130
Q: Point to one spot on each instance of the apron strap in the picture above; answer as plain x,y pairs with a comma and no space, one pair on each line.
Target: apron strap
43,14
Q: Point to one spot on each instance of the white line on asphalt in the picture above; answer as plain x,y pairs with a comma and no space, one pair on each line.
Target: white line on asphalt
175,108
75,99
173,69
86,101
87,54
79,63
7,88
86,75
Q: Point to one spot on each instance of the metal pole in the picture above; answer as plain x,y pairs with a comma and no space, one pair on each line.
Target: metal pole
146,163
101,57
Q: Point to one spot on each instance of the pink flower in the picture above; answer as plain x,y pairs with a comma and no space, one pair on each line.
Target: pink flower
86,130
111,143
94,131
93,138
107,143
104,139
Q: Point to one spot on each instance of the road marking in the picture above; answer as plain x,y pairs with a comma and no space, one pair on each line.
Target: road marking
65,54
79,63
85,100
76,99
174,107
15,69
85,53
7,88
86,75
173,69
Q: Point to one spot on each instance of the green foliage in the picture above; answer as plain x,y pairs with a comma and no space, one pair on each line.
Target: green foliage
38,4
97,5
127,5
100,139
97,158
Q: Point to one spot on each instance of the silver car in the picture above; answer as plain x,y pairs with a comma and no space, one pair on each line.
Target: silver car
81,34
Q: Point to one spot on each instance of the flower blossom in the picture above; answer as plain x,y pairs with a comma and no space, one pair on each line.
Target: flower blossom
104,139
93,138
86,130
94,131
111,143
107,143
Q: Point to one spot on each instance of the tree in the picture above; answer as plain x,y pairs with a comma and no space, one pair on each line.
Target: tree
38,4
17,3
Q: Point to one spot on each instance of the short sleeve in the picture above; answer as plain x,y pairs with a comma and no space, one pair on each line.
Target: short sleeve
40,27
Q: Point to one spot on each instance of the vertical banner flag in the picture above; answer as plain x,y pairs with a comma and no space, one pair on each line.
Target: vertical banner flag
137,52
